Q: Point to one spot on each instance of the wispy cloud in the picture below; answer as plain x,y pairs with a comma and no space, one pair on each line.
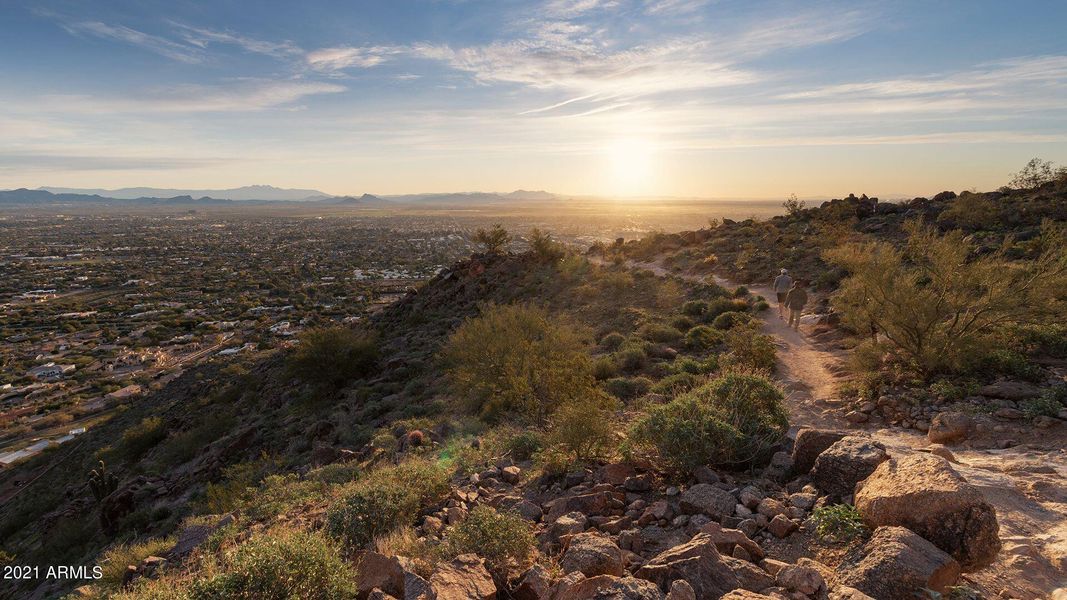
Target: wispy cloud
573,8
153,43
29,162
202,38
343,57
674,7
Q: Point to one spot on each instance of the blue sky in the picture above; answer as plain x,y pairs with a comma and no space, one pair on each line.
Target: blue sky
625,97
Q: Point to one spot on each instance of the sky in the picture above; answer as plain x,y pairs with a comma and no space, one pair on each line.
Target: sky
691,98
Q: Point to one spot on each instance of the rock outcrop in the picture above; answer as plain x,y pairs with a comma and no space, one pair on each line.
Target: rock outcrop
896,563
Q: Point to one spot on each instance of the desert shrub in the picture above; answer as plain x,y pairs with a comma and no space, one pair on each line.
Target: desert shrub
740,292
728,319
141,438
673,384
495,239
695,308
114,560
686,364
583,428
953,391
612,341
544,247
517,360
760,306
750,349
938,304
524,444
973,212
1048,404
333,355
503,539
384,500
605,367
703,337
336,473
1037,172
659,333
631,359
720,305
280,565
1049,339
1003,361
839,523
730,421
627,388
682,323
280,493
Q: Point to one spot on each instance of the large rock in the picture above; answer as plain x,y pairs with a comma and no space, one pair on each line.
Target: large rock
1011,390
704,498
535,584
749,576
379,571
845,463
950,427
896,563
801,578
592,554
925,494
465,578
696,562
810,443
607,587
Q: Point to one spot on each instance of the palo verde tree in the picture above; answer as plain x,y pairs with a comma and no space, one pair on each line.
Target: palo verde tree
495,239
938,303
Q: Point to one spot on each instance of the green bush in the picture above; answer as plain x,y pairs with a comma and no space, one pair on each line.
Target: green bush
385,500
517,360
115,559
1048,404
659,333
750,349
682,323
720,305
333,355
839,523
1002,361
141,438
703,337
673,384
503,539
281,565
695,308
583,428
524,444
605,367
625,388
612,341
729,319
631,359
732,420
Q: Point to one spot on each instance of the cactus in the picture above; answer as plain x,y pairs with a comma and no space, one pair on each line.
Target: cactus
102,482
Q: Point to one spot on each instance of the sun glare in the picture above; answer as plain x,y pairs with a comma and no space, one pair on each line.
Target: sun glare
631,163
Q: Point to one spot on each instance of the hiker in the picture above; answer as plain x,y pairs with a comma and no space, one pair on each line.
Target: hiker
782,283
795,301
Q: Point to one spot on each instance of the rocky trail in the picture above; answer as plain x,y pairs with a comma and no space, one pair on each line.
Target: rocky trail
1025,483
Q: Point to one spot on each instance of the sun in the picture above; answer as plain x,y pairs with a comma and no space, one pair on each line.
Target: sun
631,166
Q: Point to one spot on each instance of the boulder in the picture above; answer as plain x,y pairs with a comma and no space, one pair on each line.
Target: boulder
925,494
781,526
681,590
535,584
896,563
378,571
810,443
726,540
749,576
843,592
705,498
950,427
696,562
511,474
592,554
1010,390
845,463
799,578
746,595
465,578
607,587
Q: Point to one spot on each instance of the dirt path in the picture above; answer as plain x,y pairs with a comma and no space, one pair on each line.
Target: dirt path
1027,486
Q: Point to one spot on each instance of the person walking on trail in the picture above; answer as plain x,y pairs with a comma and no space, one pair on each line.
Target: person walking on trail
795,301
782,283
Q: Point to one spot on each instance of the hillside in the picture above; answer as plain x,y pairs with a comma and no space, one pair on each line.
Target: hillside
619,425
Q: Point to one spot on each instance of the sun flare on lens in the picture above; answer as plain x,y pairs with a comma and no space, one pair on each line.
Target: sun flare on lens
631,166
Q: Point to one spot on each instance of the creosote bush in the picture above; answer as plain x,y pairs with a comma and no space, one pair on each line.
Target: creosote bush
749,349
384,500
518,360
333,355
503,539
583,428
839,523
730,421
281,565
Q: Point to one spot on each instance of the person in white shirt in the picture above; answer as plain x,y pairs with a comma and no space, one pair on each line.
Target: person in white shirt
782,284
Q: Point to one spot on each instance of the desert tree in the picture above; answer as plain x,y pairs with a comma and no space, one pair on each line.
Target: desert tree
495,239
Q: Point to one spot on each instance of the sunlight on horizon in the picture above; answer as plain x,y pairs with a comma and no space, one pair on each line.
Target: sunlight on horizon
632,166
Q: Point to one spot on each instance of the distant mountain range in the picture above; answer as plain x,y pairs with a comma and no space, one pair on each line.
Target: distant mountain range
254,194
248,192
